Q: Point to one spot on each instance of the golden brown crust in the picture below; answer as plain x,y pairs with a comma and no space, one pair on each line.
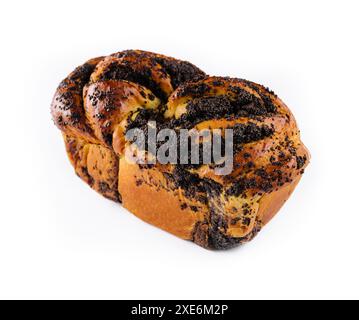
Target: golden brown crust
95,164
96,105
148,194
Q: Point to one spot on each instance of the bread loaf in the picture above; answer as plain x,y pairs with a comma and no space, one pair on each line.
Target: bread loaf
100,101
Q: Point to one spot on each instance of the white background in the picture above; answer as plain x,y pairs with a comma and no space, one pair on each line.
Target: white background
60,239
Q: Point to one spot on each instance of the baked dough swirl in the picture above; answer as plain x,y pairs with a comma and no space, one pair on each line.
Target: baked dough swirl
101,100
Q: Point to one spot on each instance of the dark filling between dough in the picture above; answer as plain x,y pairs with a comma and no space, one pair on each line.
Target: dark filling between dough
242,132
121,71
179,71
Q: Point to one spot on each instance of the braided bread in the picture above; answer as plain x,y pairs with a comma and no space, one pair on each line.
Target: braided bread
100,101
